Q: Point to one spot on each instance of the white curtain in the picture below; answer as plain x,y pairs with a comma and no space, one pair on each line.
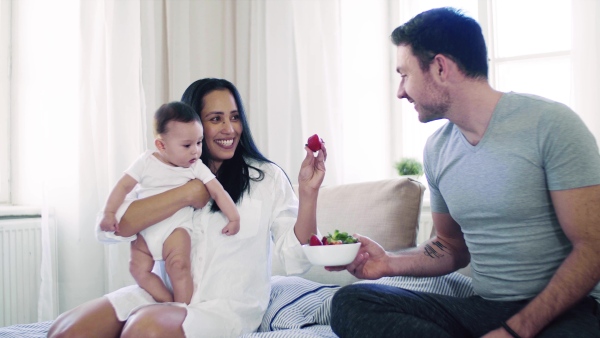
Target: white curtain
586,70
113,119
125,58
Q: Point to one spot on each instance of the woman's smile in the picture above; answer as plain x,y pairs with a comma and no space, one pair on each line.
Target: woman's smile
222,126
227,143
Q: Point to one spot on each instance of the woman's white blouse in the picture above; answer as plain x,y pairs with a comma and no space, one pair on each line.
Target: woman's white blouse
232,273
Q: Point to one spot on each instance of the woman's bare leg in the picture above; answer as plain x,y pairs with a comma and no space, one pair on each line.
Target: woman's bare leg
156,321
140,267
176,252
96,318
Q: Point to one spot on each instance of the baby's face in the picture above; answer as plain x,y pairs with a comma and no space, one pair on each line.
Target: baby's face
182,143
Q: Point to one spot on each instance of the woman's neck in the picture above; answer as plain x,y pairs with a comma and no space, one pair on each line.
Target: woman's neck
214,166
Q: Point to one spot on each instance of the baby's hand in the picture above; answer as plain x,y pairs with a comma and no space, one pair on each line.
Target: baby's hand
232,228
109,222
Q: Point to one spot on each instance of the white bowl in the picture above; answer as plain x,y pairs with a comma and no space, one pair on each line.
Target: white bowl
331,255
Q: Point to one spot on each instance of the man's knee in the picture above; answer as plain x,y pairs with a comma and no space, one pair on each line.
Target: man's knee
347,306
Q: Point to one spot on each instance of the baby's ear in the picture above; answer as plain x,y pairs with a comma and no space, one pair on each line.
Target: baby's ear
159,144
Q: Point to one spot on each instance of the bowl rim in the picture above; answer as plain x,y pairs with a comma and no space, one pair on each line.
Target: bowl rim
327,245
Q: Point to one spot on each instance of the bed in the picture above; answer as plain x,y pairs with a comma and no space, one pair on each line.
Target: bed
386,211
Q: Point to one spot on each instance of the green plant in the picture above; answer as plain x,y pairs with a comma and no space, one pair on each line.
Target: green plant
409,166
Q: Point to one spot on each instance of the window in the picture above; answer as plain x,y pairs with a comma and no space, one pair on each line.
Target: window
531,56
5,32
525,55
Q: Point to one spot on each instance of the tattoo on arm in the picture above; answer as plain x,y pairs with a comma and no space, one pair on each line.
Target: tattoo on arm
435,250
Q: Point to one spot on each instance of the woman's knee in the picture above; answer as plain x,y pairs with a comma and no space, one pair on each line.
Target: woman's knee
155,321
94,318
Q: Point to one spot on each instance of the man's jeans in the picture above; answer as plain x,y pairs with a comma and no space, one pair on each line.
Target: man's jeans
378,311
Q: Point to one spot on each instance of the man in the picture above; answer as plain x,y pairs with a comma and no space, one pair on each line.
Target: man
515,191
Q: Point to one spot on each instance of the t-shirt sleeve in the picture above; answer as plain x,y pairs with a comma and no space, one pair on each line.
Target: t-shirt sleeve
436,201
136,169
569,150
202,172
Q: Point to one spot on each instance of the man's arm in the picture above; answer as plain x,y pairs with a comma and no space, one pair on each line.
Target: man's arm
579,216
444,253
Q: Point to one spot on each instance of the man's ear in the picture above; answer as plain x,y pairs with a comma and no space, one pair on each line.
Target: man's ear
160,145
445,69
440,66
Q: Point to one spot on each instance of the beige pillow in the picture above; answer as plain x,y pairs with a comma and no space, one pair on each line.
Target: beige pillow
386,211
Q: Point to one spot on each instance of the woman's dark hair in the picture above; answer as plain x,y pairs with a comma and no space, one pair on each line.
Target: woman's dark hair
449,32
234,174
173,111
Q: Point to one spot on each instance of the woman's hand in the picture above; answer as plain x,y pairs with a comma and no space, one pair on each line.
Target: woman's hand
147,211
371,262
196,193
310,178
312,170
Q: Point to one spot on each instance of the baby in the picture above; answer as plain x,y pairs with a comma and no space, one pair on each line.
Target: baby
178,142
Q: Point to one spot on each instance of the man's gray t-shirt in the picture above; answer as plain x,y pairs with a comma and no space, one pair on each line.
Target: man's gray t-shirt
498,190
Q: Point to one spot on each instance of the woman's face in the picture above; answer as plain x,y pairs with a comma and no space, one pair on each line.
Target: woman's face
222,126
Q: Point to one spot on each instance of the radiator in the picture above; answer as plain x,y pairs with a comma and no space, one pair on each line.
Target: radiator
21,253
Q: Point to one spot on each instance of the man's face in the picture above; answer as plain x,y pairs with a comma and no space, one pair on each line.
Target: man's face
419,87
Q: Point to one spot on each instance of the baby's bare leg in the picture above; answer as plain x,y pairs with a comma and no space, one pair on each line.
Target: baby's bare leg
141,265
176,252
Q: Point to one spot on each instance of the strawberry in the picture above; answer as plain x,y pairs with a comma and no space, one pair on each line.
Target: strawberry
314,142
324,240
314,240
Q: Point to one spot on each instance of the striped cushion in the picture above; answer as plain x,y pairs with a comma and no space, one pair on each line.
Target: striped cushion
300,307
297,303
454,284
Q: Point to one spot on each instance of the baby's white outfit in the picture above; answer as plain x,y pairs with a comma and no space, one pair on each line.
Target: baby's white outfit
154,177
232,274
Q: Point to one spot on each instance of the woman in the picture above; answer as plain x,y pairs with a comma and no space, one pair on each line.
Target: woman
231,273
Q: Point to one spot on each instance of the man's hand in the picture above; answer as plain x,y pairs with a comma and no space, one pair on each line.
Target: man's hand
371,262
497,333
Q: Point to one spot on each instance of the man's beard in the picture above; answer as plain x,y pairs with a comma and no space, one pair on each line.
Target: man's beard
436,109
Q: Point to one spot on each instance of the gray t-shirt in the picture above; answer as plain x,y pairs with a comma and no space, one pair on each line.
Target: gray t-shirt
498,190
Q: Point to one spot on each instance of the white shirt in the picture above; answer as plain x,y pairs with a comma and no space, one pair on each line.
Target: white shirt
154,176
232,273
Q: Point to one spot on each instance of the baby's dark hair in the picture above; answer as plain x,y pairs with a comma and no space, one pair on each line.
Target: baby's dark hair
173,111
